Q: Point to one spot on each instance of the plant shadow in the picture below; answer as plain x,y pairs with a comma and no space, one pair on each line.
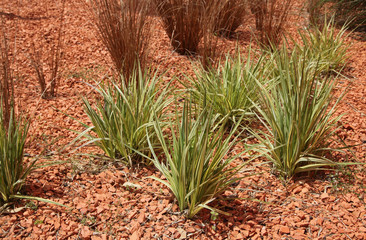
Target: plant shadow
247,213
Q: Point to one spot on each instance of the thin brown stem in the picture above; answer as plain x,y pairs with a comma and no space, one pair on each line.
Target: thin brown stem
6,83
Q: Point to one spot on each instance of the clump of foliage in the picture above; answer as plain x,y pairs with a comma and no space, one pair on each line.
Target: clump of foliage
6,77
196,168
13,170
183,22
189,25
230,89
230,16
124,29
13,133
298,115
120,120
270,18
325,47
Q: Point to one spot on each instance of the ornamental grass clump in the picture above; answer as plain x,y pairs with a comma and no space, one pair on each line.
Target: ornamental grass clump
298,115
190,25
183,22
13,134
271,17
231,88
13,130
230,16
197,168
13,170
351,13
121,118
125,30
325,46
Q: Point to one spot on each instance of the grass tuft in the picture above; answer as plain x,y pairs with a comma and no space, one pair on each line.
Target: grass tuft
182,21
125,31
197,168
231,88
298,115
120,120
13,170
230,16
270,17
325,46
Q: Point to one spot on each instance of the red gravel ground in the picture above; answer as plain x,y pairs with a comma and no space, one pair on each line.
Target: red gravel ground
328,205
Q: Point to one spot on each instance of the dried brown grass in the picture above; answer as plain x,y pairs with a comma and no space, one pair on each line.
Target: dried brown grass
49,87
183,22
124,28
190,25
270,17
6,78
230,16
313,8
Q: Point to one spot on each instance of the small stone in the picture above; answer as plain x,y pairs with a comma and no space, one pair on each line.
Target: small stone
304,190
131,185
284,229
297,190
83,211
332,199
135,236
141,217
190,230
324,196
172,230
85,232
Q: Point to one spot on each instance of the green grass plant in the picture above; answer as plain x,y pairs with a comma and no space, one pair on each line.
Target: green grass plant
13,169
183,21
120,120
325,47
231,88
197,168
299,114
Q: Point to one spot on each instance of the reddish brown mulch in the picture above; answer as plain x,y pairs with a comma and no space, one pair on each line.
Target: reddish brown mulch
327,205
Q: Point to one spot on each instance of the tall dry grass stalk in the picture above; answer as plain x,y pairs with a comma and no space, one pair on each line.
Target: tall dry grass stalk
124,28
313,9
230,16
183,22
190,25
48,90
209,42
270,18
6,78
